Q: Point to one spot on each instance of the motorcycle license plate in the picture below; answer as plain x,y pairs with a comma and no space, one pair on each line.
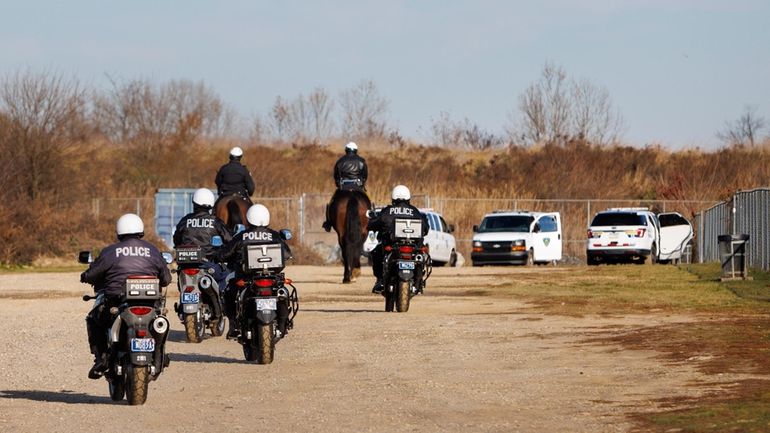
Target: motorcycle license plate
267,304
190,298
406,265
142,344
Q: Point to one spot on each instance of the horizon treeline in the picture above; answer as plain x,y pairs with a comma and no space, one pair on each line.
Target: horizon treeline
63,144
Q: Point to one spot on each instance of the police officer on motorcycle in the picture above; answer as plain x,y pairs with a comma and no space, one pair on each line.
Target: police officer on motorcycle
234,177
384,223
199,227
350,173
108,273
257,233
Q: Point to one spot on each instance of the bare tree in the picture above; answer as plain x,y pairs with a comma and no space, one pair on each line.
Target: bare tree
593,117
545,106
364,112
744,130
461,134
44,117
555,108
321,108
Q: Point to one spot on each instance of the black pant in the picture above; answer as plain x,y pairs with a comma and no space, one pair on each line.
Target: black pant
378,255
98,322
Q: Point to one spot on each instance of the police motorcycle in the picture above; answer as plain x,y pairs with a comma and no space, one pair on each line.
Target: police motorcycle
407,265
200,305
263,295
137,338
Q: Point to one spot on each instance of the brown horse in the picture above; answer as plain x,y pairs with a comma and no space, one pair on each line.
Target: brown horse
348,215
232,209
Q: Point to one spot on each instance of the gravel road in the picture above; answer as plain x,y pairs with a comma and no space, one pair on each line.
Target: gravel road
456,361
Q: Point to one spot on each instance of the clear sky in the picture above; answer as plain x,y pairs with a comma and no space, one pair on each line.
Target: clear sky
676,69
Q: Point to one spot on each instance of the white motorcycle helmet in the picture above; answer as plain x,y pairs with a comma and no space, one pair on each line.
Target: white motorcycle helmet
129,224
401,192
351,147
203,197
258,215
236,152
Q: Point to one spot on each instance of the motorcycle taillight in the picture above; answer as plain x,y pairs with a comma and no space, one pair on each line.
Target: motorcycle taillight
263,282
140,311
190,271
406,249
264,292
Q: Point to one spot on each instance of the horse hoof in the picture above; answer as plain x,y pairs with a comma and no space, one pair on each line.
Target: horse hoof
345,281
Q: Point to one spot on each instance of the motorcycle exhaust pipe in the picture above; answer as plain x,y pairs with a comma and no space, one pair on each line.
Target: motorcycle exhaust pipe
205,282
282,293
160,325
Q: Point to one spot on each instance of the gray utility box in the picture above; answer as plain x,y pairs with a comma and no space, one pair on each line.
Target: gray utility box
407,229
263,257
732,255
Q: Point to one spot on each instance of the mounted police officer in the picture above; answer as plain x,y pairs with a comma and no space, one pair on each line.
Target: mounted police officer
108,273
384,223
350,173
234,177
257,233
199,227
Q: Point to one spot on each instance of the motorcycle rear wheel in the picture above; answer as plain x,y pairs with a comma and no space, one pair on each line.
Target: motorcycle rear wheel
265,343
403,297
193,327
137,380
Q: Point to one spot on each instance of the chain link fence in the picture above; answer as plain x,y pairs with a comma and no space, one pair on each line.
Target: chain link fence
305,214
747,212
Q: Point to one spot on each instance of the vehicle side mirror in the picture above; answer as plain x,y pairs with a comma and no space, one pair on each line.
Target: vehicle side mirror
286,234
536,228
167,257
451,228
216,241
85,257
475,228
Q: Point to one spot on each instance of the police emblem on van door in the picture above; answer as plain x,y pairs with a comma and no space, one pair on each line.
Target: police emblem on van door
546,241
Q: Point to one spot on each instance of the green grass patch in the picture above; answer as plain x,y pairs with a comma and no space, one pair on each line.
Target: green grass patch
638,289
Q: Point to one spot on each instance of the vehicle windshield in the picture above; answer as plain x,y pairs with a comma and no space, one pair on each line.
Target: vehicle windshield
506,223
618,219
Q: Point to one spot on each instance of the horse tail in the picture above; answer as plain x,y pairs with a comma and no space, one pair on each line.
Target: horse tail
353,231
233,213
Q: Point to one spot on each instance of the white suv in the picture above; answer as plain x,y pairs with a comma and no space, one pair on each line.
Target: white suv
635,234
440,240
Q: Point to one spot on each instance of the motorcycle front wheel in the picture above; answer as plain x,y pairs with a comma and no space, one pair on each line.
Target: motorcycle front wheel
117,385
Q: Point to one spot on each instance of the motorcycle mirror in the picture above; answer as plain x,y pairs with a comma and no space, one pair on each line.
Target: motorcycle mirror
85,257
286,234
239,228
369,214
167,257
216,241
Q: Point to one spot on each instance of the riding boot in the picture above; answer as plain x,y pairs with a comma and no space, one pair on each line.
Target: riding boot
377,286
232,329
327,225
100,365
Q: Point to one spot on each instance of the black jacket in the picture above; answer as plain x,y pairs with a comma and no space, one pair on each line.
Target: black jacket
350,166
384,223
232,252
198,228
234,177
129,257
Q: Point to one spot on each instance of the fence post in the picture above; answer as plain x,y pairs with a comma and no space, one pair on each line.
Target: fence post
302,218
588,213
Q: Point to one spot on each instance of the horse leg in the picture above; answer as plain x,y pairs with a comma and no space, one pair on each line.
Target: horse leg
345,260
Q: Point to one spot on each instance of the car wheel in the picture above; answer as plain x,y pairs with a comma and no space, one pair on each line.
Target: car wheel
453,259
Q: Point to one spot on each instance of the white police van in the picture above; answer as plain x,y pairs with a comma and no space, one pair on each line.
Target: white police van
440,240
517,237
